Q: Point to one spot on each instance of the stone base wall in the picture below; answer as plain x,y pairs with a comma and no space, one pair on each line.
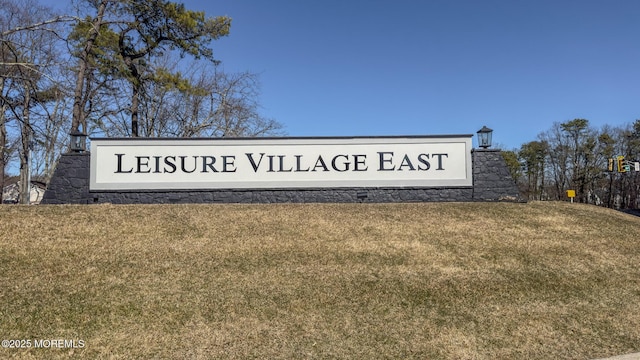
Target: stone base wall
491,182
340,195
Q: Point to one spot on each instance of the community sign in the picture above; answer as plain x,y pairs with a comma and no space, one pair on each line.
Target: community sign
278,163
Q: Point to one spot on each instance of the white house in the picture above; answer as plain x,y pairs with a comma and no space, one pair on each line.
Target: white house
11,191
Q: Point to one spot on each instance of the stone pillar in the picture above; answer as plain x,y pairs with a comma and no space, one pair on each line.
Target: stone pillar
70,181
492,180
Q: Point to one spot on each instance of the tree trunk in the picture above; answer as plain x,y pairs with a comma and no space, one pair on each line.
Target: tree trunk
24,184
79,121
3,150
135,104
3,141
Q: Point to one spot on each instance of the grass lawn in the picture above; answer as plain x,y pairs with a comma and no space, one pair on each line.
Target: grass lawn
320,281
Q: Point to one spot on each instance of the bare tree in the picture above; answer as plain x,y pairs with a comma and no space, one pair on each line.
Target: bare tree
115,45
557,160
82,93
227,106
27,53
204,102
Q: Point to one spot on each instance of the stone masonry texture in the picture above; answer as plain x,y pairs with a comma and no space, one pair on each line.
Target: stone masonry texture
491,182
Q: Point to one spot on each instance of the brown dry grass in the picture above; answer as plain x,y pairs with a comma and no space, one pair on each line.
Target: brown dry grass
363,281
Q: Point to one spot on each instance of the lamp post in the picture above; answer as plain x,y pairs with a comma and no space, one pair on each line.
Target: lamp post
484,137
78,142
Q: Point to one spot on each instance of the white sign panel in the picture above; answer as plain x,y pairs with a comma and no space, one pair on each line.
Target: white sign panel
272,163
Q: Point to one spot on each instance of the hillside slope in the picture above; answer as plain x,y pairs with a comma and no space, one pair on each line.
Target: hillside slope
429,280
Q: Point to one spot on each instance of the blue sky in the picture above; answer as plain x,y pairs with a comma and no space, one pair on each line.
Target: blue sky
434,67
431,67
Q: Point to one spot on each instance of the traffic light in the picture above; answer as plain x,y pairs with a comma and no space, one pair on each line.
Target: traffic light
610,167
621,167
